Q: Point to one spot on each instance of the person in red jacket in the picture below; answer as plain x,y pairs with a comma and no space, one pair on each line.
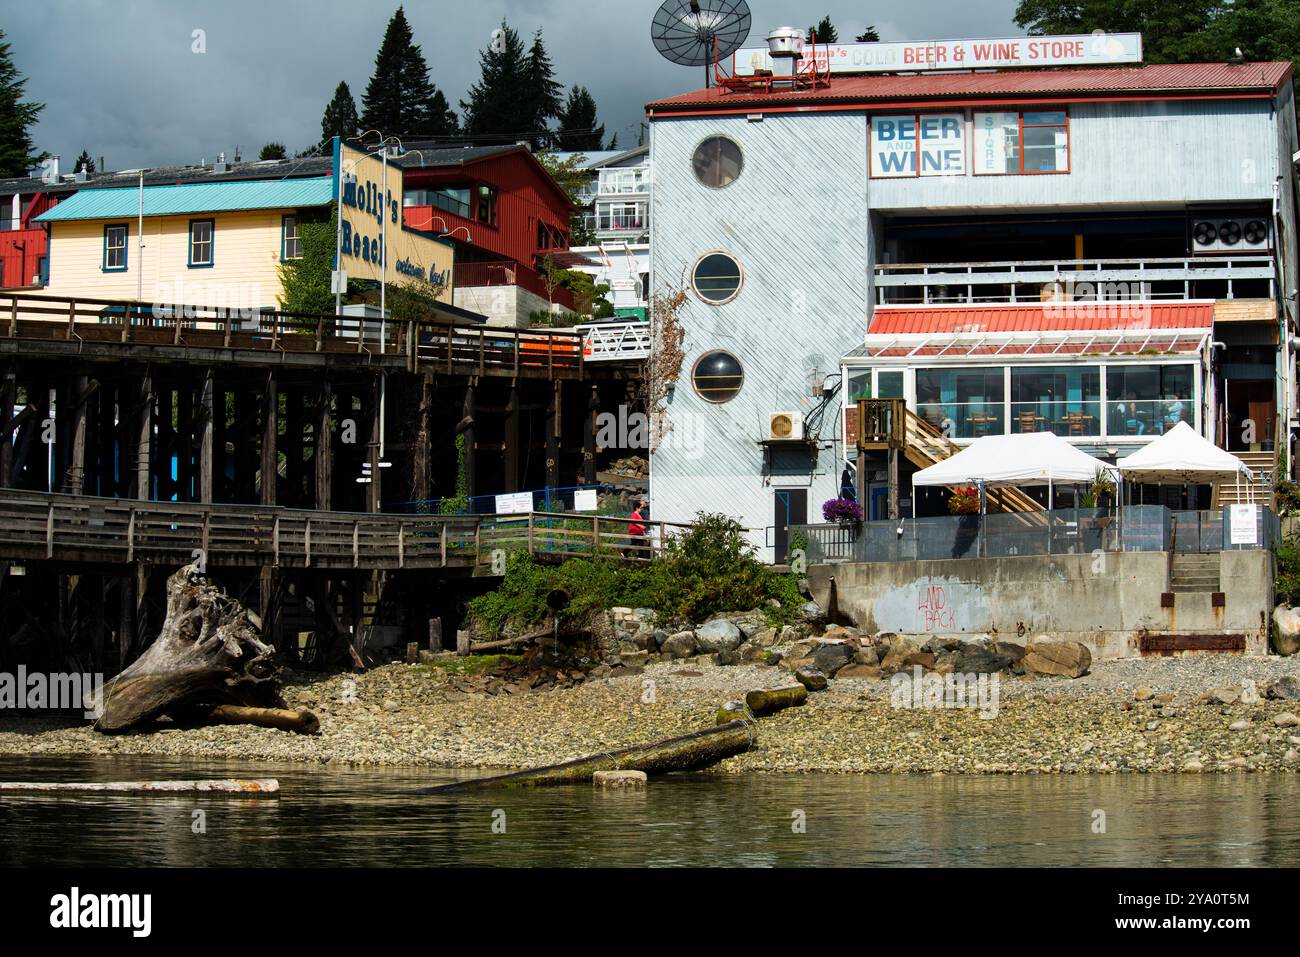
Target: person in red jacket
637,540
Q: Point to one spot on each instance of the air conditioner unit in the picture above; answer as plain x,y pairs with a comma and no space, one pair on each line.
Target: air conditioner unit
785,426
1234,234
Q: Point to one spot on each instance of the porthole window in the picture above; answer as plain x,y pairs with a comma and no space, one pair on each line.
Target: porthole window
717,376
716,278
717,162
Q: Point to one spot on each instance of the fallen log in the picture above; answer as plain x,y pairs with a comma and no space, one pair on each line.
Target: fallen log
775,699
690,752
207,653
299,721
253,786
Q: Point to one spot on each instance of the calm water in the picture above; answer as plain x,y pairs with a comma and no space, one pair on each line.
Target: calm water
337,817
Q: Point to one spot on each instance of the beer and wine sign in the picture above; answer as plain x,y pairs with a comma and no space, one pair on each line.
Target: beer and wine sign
938,144
1096,49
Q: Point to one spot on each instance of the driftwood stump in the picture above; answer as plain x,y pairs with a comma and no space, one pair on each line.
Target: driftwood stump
209,652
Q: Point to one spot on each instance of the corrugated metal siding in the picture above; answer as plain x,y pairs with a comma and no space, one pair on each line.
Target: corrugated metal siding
796,221
1057,317
117,203
1173,78
1135,154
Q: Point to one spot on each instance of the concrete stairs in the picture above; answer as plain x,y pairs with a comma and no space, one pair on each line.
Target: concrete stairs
1262,464
1194,571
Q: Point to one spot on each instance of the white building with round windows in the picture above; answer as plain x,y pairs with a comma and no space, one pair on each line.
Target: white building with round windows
1101,252
752,217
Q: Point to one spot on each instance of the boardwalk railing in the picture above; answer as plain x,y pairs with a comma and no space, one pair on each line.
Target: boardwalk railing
463,348
615,341
38,526
1081,531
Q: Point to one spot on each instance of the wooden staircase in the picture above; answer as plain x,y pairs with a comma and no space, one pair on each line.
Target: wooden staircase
888,423
1263,465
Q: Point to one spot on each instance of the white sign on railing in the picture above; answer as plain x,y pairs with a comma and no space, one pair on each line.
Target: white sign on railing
1241,525
1096,49
585,500
514,503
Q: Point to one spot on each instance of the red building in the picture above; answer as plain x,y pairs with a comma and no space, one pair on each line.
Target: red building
24,244
504,211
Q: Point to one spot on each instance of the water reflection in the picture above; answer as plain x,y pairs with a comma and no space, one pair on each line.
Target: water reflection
349,817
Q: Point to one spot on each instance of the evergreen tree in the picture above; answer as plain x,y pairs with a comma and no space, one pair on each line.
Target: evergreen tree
499,108
578,131
272,151
399,99
85,161
340,117
613,142
824,32
442,118
544,93
1173,31
869,35
17,153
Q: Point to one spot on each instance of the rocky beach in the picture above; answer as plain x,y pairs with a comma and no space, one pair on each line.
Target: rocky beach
1183,715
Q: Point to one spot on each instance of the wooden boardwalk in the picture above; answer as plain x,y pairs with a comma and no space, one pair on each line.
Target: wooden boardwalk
106,328
86,530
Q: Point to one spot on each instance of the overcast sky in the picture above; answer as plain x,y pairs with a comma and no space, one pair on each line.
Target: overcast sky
120,78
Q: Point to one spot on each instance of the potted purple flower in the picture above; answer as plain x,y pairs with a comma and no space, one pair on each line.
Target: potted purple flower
842,511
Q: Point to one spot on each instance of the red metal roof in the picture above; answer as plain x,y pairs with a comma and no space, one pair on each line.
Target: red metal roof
1154,80
1041,317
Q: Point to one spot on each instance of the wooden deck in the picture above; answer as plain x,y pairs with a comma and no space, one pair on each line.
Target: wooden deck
79,529
34,324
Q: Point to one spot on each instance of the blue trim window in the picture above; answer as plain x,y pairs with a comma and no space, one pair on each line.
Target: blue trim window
290,244
115,247
201,231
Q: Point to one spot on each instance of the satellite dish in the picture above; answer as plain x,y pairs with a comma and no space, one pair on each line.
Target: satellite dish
684,31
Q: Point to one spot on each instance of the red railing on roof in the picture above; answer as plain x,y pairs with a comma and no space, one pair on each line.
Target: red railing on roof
806,75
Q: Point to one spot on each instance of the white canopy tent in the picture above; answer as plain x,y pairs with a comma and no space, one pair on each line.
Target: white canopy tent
1016,460
1183,457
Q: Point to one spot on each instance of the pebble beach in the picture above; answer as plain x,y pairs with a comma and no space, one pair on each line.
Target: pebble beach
1130,716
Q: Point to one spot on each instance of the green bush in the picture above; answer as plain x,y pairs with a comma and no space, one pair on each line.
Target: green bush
710,569
1287,585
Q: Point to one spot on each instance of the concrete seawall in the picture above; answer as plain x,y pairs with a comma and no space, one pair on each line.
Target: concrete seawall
1118,603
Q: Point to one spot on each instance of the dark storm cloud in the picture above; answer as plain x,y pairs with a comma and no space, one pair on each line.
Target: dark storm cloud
123,80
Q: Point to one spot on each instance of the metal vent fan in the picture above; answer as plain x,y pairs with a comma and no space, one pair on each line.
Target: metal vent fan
1204,233
1256,232
1230,232
782,426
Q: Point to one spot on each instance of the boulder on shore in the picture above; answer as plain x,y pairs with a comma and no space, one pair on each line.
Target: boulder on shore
1051,656
1286,630
1286,688
718,635
680,645
811,678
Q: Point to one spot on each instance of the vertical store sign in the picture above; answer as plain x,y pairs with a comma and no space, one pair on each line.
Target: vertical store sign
996,140
369,197
929,144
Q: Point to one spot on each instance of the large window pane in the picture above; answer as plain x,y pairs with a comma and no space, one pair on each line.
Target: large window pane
962,403
1061,399
1148,399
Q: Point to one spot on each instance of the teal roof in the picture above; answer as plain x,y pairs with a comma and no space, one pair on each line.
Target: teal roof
124,203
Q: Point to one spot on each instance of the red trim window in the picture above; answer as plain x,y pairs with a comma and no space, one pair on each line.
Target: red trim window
1021,141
